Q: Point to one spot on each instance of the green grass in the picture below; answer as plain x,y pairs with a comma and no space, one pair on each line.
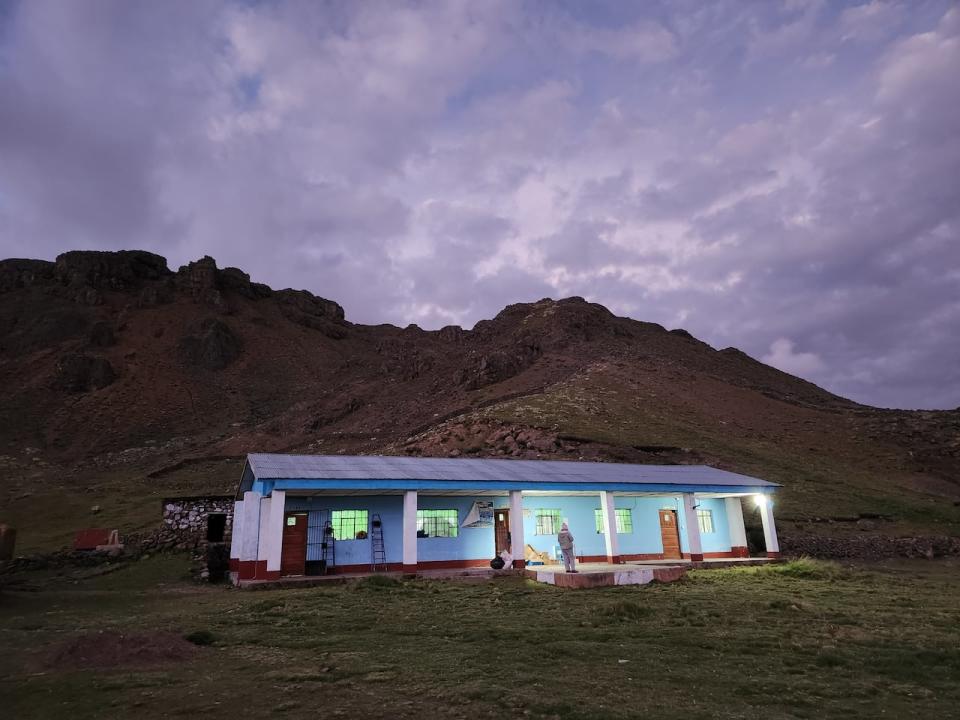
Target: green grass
804,639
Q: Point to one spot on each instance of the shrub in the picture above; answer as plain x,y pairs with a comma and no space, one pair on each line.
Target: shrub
806,568
380,582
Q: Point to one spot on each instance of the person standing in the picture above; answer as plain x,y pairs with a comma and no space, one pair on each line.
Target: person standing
565,540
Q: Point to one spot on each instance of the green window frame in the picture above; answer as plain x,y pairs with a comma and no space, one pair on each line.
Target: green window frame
548,521
438,523
705,521
624,520
350,524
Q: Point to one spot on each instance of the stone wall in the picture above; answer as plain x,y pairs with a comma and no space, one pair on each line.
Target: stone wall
185,519
869,547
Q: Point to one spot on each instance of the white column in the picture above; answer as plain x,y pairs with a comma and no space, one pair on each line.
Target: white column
518,546
250,535
236,535
694,546
608,511
274,533
738,533
410,531
769,527
263,541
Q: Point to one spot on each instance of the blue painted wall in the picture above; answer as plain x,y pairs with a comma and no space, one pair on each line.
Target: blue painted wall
478,543
470,543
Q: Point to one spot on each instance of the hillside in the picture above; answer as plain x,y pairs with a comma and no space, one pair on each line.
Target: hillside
122,381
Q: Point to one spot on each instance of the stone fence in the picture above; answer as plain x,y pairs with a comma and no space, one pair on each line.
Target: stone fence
869,547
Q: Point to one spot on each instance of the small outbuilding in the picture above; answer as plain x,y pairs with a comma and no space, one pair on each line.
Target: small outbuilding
311,514
195,521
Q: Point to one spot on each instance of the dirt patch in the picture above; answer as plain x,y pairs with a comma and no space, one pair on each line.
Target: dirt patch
110,649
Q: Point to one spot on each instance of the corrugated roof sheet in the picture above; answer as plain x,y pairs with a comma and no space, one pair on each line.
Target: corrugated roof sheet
267,466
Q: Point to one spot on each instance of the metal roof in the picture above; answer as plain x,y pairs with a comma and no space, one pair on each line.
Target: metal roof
464,472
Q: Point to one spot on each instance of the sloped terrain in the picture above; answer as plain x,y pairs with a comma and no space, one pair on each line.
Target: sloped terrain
122,381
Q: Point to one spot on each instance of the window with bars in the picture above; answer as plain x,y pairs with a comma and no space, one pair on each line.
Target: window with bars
349,524
437,523
624,520
705,520
548,522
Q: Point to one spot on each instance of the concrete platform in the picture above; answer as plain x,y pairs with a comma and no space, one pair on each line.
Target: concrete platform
605,575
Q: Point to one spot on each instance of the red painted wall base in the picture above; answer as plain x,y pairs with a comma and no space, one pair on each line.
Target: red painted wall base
773,554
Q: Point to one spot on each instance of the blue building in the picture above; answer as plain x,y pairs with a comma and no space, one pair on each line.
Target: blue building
307,514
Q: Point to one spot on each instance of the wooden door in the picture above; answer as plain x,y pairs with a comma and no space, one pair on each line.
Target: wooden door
670,534
501,530
293,552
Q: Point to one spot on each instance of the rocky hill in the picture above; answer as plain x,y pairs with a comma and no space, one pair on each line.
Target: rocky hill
122,381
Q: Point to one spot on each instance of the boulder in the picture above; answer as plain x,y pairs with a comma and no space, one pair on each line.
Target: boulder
211,345
306,309
78,372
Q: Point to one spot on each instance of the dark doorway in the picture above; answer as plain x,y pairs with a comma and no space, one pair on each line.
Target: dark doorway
216,527
501,530
670,534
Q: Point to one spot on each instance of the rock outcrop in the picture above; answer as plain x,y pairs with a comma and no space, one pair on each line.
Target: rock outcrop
212,345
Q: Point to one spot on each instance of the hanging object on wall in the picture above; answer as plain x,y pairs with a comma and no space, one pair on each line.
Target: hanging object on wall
480,515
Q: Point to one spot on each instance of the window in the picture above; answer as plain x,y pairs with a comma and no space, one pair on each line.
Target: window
624,520
437,523
349,524
548,522
705,520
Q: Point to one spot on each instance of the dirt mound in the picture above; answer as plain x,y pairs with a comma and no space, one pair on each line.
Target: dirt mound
108,649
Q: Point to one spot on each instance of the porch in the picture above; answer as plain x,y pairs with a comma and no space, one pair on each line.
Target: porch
600,574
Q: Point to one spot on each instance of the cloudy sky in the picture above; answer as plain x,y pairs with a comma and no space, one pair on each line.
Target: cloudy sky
783,177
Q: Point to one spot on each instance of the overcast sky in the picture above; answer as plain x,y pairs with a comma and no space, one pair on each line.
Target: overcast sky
783,177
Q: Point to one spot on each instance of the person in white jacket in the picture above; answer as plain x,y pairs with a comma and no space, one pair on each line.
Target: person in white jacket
565,540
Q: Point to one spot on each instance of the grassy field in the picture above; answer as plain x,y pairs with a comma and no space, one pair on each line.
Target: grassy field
799,640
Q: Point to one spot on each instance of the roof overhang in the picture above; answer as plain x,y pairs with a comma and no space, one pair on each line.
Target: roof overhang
298,486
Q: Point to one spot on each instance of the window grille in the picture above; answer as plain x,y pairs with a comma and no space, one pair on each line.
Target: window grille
437,523
624,520
349,524
548,522
705,520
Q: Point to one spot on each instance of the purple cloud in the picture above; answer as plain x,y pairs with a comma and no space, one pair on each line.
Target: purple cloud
778,177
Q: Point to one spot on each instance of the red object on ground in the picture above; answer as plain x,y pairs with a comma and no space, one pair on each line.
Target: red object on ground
90,538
